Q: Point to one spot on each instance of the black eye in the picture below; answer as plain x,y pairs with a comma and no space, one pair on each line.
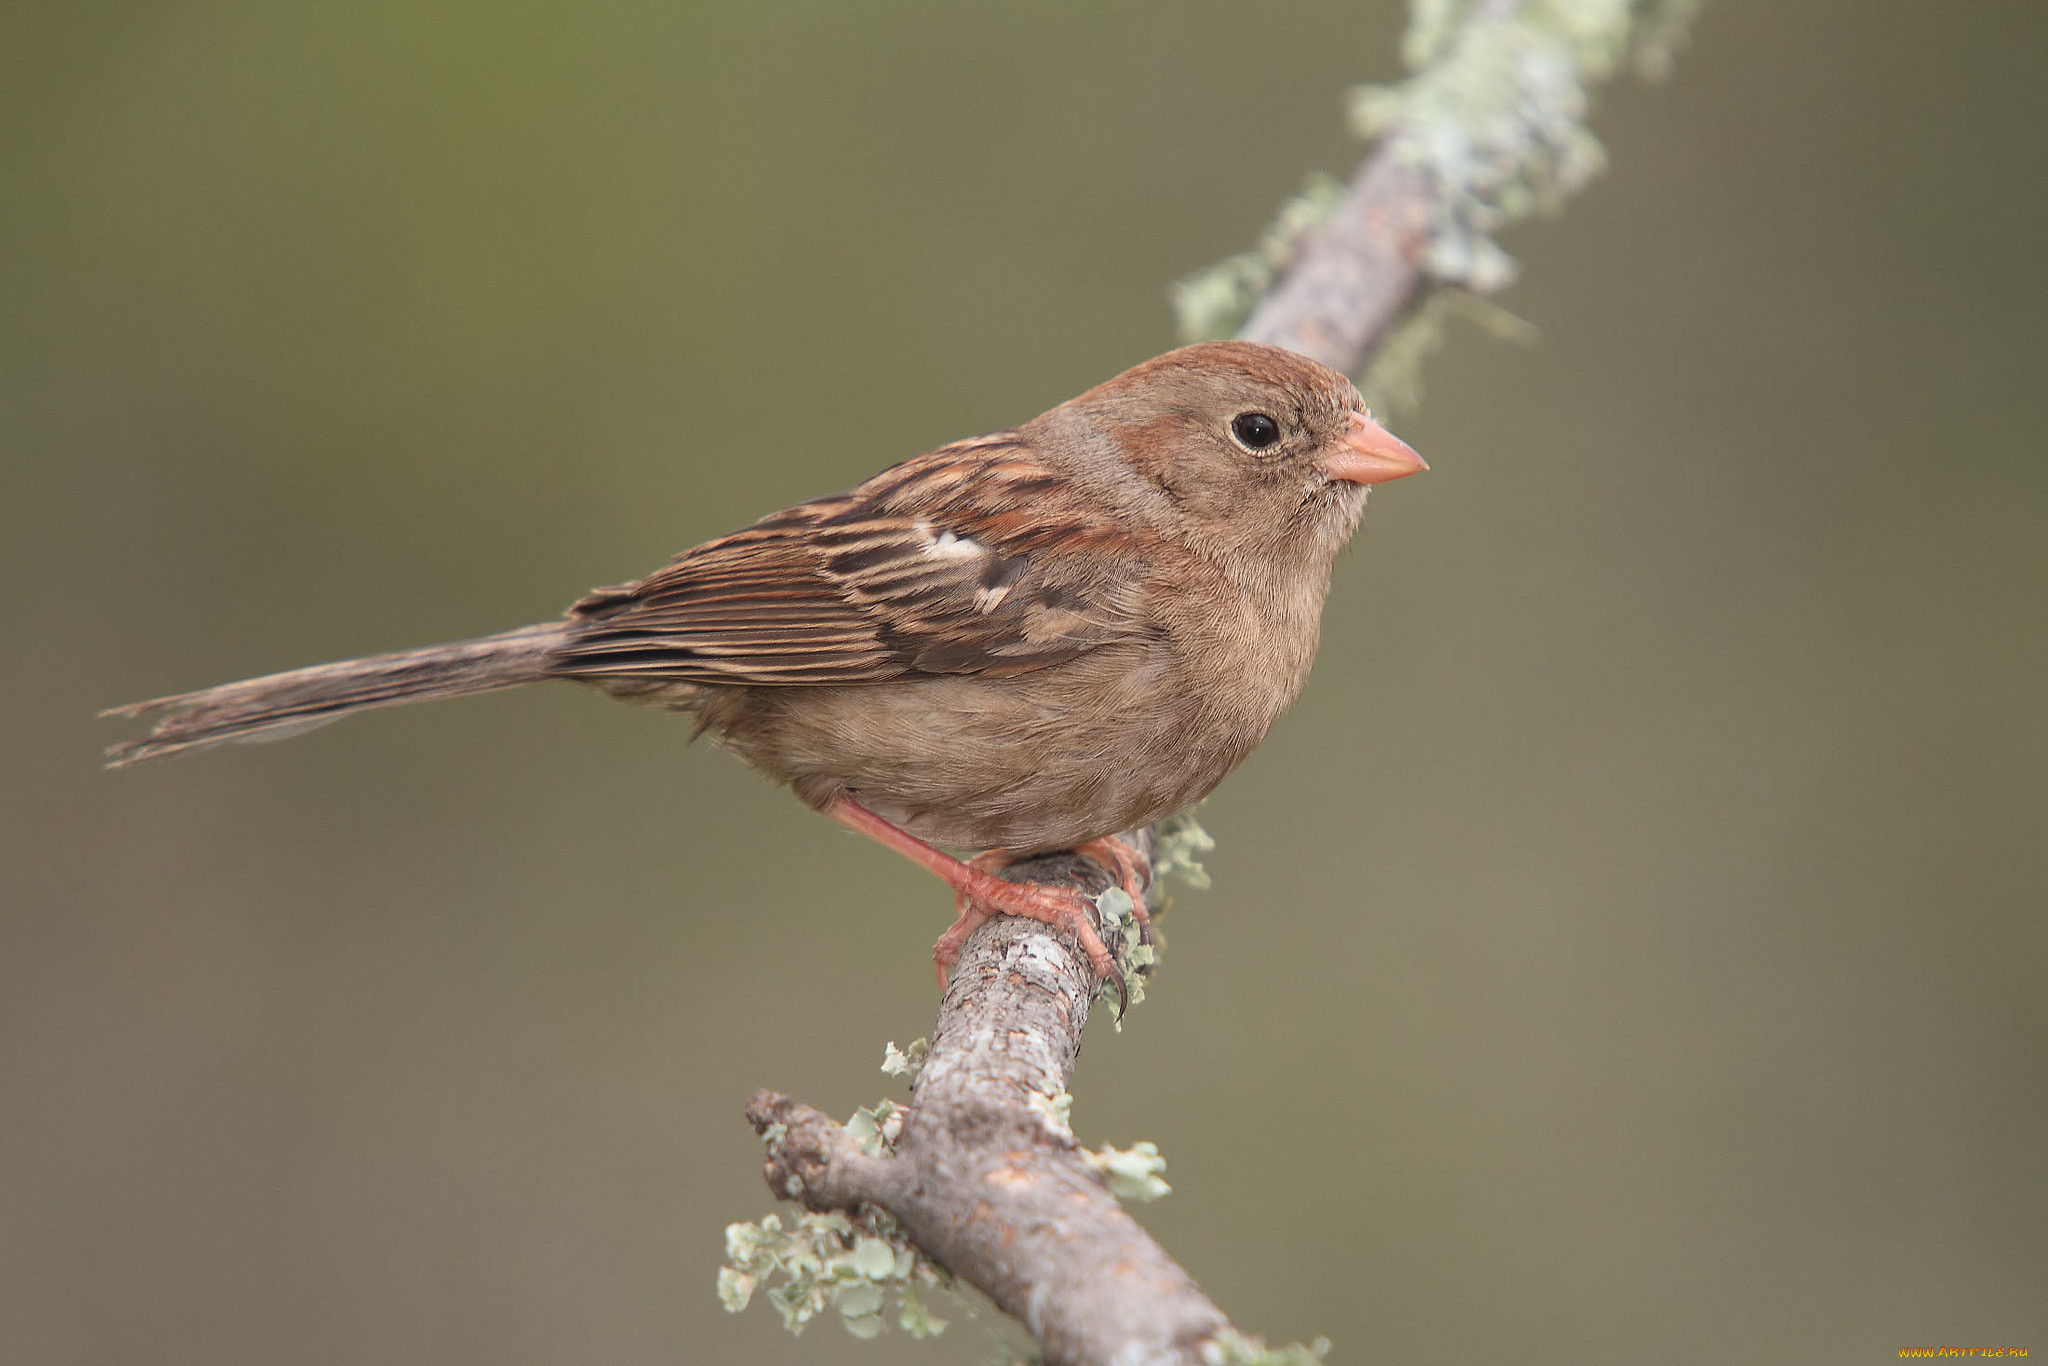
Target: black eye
1255,430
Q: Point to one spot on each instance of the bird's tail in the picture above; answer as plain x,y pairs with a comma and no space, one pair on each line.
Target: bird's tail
277,705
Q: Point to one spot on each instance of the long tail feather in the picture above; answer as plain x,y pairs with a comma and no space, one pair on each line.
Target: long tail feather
278,705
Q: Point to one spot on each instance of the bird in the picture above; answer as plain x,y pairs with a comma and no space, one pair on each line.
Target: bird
1018,643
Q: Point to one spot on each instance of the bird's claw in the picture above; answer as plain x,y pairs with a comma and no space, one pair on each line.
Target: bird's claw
988,895
1132,871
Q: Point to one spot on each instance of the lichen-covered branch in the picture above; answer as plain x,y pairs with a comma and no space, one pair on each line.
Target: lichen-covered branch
1490,129
985,1175
981,1173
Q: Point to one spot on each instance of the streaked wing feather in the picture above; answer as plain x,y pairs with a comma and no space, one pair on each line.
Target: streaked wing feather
939,565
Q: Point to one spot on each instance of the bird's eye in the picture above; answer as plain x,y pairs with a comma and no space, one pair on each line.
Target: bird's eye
1255,431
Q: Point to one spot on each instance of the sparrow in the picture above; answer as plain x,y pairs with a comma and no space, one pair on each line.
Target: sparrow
1023,642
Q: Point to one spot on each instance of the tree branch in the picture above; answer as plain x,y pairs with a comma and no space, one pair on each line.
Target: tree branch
1356,274
985,1176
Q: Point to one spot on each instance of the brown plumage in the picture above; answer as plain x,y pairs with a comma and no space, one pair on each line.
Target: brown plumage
1025,641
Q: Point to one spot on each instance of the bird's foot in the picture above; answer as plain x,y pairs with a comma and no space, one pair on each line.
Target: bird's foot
1132,870
982,894
979,893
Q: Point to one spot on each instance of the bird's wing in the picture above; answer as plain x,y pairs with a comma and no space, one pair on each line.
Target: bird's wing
970,559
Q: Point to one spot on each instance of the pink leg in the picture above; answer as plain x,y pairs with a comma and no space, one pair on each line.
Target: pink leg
968,917
981,893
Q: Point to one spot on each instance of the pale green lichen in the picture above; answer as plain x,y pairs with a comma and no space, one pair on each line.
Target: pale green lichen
905,1062
1178,844
865,1269
1132,1174
1134,958
1495,114
876,1129
1494,118
1055,1112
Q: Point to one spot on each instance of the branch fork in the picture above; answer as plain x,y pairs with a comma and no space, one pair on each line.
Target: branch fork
985,1176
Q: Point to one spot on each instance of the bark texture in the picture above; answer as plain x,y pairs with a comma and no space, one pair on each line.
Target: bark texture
1354,274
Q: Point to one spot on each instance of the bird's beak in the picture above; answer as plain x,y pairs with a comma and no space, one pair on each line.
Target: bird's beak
1370,454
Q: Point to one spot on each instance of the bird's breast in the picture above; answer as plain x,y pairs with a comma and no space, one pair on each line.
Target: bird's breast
1118,737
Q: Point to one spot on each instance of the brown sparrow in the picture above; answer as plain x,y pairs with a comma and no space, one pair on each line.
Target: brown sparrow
1022,642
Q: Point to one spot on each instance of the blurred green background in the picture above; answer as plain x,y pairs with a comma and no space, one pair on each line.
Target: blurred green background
1631,949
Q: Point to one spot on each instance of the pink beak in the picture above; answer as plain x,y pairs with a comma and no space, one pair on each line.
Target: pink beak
1370,454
